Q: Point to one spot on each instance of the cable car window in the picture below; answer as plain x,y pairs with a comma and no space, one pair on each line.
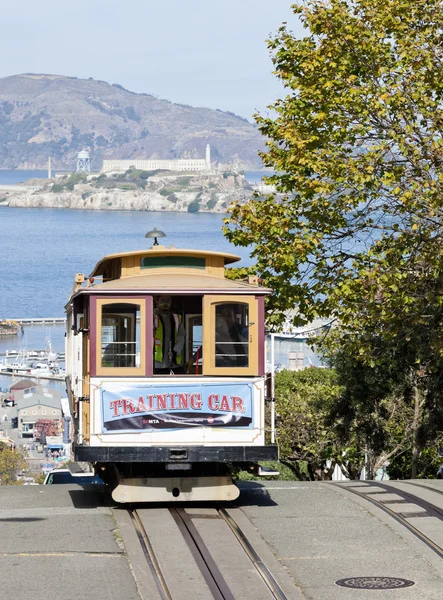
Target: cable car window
231,335
120,335
194,343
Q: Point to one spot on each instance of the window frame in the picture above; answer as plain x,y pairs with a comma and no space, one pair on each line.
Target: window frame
98,369
210,302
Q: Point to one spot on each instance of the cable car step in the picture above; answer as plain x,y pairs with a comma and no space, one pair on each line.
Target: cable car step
267,472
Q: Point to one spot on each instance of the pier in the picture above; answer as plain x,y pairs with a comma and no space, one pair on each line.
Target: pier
41,321
23,374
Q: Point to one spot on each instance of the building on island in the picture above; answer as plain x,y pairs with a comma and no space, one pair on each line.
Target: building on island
181,164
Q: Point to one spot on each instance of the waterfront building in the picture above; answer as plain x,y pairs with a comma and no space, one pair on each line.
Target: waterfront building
37,407
182,164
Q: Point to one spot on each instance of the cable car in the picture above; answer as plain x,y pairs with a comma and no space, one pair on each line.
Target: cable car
165,361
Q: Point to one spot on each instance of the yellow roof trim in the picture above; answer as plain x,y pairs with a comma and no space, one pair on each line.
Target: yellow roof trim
176,282
163,251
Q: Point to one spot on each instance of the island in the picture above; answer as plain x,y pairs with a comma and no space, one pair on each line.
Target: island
133,189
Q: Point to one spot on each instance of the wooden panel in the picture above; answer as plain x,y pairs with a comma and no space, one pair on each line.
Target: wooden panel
86,388
131,266
215,266
112,270
85,408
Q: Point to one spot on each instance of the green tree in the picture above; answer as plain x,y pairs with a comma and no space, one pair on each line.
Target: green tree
375,411
11,463
355,230
429,461
303,403
358,153
391,365
194,206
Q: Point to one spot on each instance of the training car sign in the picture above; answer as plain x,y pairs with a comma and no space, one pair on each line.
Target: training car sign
151,407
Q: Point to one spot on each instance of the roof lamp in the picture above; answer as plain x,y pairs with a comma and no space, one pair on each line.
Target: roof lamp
155,233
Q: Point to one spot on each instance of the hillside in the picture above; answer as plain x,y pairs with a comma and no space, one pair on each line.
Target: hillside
57,116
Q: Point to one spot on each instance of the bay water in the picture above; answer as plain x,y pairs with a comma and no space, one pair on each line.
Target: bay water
42,249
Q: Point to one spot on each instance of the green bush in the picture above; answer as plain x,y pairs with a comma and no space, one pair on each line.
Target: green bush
194,206
166,191
286,474
57,187
212,201
184,180
134,173
75,178
147,174
126,186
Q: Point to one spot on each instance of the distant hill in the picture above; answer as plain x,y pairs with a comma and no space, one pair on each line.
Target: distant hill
57,116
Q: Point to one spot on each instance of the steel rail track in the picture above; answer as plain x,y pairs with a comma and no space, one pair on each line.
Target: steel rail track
262,569
213,577
431,509
423,487
205,562
149,553
402,520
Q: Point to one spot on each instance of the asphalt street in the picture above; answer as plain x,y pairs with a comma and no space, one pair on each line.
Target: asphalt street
65,541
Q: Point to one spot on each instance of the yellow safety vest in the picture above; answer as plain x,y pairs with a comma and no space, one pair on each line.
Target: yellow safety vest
158,338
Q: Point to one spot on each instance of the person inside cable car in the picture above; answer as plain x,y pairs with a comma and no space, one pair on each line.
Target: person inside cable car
231,339
169,338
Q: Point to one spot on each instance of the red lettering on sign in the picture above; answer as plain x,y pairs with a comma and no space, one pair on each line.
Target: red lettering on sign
150,400
237,404
196,402
162,401
141,407
128,407
115,405
183,401
224,404
213,401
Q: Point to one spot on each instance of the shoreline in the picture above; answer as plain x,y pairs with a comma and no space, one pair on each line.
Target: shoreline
133,190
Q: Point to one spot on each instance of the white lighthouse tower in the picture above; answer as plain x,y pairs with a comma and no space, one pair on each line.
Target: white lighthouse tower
208,157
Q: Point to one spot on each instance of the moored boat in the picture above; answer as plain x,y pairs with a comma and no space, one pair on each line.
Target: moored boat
9,327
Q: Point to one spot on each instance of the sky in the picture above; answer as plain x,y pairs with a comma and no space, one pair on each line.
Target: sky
209,53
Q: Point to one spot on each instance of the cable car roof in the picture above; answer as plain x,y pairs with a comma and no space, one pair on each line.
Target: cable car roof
174,283
162,251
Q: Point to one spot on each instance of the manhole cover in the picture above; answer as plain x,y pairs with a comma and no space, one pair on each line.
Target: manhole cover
375,583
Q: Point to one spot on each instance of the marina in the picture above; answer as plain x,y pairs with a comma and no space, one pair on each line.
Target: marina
43,364
38,353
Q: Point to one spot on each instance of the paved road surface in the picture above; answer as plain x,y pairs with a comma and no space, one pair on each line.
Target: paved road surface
64,542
